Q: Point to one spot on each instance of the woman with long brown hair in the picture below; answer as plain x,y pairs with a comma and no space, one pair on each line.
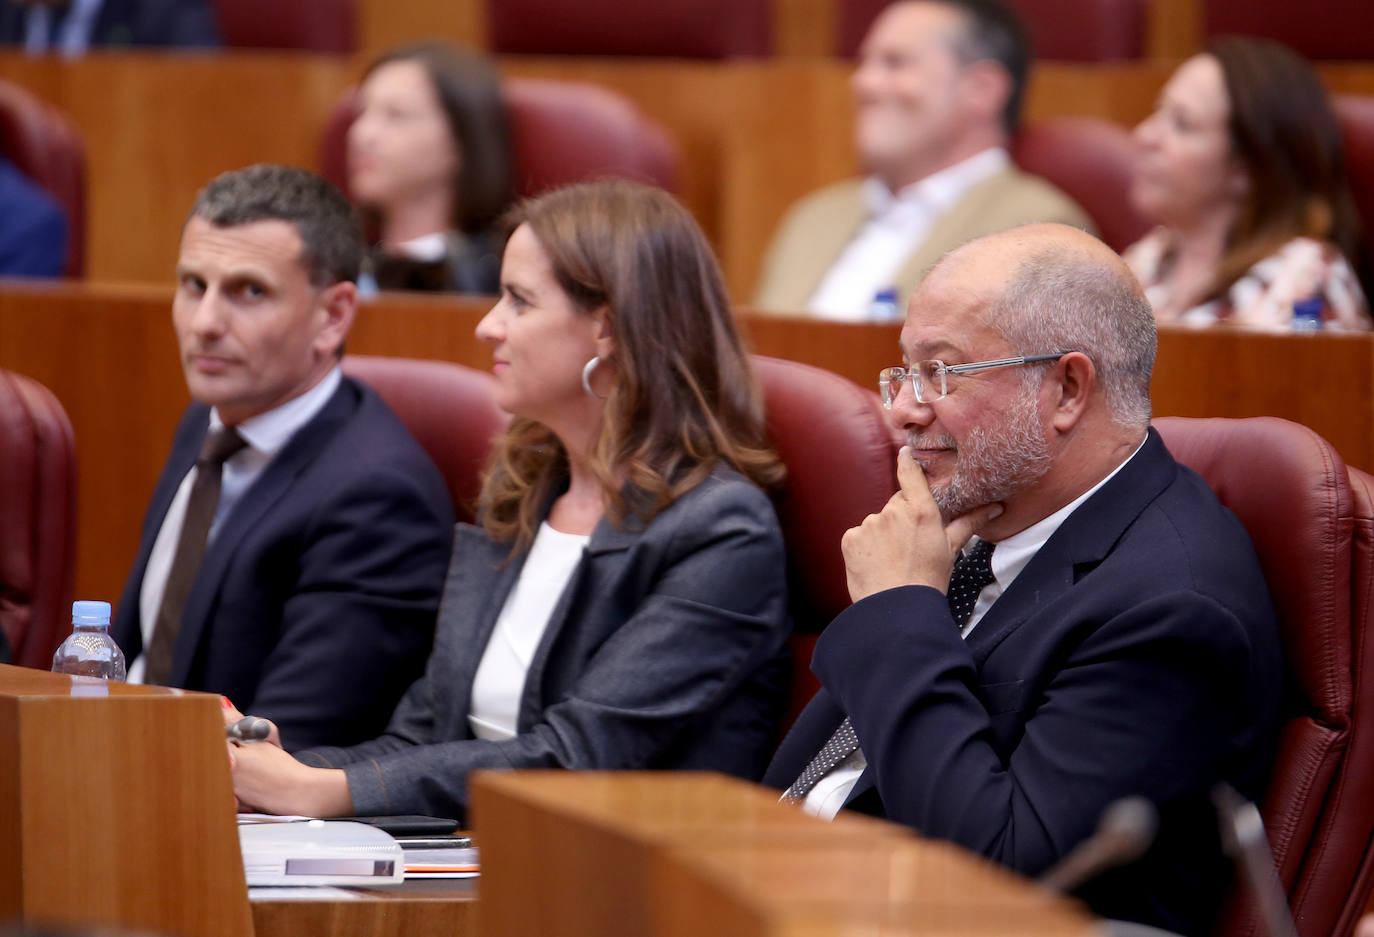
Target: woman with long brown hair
1241,166
623,604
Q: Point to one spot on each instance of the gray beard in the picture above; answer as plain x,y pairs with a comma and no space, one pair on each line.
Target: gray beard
997,460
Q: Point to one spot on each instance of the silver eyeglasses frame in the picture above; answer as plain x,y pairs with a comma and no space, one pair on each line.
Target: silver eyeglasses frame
935,373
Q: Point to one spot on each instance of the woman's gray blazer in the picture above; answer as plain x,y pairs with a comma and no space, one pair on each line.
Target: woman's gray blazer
666,650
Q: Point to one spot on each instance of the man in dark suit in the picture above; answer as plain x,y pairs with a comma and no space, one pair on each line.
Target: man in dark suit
33,233
1120,639
295,547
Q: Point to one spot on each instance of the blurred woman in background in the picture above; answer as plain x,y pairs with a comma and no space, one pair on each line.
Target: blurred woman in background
429,162
1241,167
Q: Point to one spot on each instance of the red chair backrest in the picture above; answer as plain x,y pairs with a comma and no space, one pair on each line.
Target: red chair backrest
1355,113
1060,30
1331,29
311,25
562,132
702,29
1311,528
1091,161
837,445
37,520
448,408
48,148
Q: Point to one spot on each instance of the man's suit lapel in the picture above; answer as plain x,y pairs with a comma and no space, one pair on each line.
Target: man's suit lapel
247,515
1078,546
965,220
827,242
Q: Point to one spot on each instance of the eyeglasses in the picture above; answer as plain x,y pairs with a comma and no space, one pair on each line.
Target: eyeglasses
930,379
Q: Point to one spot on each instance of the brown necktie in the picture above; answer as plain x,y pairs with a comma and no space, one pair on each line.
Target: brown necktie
195,528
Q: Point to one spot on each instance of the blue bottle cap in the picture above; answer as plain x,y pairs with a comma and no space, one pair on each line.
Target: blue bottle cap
90,613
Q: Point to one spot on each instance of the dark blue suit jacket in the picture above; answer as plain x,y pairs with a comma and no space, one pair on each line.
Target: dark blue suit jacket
33,232
130,23
1137,653
315,603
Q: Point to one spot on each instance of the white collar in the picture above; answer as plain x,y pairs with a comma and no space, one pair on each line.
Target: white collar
939,190
427,247
269,432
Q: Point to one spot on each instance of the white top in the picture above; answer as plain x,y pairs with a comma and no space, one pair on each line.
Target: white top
496,689
265,434
896,225
426,247
1008,559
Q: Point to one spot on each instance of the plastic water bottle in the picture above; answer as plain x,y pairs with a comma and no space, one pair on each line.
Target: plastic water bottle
1307,314
884,307
90,651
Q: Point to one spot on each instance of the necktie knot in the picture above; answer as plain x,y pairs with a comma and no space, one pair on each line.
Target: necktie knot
220,445
972,571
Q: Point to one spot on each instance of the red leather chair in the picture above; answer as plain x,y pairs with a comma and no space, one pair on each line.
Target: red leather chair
311,25
1090,160
1312,523
1060,30
699,29
37,520
48,148
1331,29
562,132
835,440
449,409
1355,113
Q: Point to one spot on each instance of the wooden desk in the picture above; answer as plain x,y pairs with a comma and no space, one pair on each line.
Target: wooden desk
109,355
415,909
673,854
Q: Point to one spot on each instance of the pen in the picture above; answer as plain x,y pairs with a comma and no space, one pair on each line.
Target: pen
249,729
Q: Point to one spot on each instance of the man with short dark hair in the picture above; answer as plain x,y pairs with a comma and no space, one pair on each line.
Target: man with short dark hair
1051,614
937,97
295,547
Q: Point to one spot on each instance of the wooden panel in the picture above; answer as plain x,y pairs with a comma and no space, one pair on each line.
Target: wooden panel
663,854
383,24
415,909
109,355
126,814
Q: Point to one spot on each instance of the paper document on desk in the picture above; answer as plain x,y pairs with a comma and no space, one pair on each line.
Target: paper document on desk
442,863
320,852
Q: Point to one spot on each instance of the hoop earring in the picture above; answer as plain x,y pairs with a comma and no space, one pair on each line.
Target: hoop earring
587,370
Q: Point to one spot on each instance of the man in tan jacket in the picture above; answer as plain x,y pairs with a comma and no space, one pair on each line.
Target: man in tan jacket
937,97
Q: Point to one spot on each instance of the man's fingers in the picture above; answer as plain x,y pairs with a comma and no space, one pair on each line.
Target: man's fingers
959,530
911,478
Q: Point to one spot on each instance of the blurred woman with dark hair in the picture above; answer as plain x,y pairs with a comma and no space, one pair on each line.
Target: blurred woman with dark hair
429,161
1241,166
623,603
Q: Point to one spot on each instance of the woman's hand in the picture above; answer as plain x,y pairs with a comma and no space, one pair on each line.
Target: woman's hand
232,715
268,780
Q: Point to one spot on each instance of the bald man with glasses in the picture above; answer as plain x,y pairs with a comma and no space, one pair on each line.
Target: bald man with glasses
1051,614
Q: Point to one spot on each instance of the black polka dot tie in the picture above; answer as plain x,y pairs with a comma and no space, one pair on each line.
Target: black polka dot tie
972,571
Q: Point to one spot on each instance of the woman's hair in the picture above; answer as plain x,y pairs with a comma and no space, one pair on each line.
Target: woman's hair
684,398
469,92
1284,132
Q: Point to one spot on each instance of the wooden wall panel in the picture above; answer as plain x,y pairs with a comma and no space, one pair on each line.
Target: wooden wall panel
109,355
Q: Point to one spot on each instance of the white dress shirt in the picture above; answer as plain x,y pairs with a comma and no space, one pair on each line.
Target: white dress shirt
1008,559
494,709
265,434
896,226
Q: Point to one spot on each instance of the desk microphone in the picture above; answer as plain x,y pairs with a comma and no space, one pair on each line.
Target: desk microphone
249,729
1126,830
1244,839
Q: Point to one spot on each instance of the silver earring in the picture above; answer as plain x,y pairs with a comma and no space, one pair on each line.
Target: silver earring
587,370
